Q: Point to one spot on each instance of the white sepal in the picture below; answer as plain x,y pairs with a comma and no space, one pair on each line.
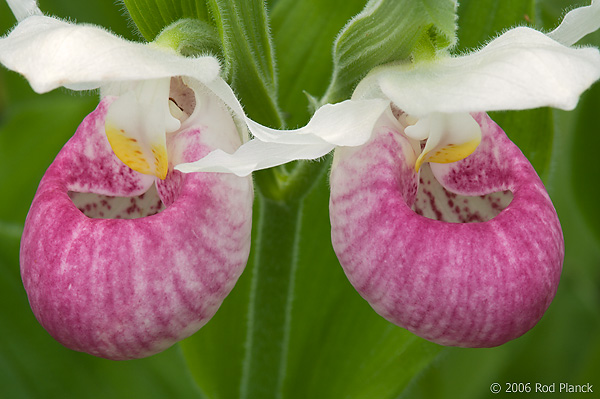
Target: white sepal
521,69
51,53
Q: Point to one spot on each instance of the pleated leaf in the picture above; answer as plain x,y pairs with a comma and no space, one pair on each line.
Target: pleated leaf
386,31
151,16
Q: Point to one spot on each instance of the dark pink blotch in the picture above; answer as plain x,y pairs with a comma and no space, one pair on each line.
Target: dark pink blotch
458,284
124,289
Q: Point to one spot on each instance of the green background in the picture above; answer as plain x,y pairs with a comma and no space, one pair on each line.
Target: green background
337,347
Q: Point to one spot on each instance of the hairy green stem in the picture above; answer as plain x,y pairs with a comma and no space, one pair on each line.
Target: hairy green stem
271,295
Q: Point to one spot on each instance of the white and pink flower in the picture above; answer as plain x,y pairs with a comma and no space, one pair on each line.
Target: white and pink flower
122,265
463,254
121,255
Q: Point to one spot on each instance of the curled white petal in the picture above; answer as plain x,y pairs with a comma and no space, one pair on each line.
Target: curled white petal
577,24
51,53
521,69
349,123
212,113
23,8
255,155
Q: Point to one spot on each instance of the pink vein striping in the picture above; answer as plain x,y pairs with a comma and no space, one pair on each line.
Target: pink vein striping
459,284
123,289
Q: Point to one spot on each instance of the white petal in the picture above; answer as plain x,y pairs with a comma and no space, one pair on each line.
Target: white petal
255,155
23,8
521,69
51,53
577,24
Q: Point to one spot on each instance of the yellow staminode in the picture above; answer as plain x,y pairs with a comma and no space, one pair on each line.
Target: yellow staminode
448,154
129,151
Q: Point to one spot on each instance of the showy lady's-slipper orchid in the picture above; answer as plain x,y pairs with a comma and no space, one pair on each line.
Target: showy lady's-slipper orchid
438,220
469,251
122,260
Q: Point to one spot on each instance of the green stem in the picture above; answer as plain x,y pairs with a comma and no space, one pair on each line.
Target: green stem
278,184
249,65
270,302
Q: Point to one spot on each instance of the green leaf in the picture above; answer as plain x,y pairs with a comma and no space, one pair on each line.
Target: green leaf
151,16
294,327
533,132
386,31
30,138
479,21
304,49
103,13
584,158
584,167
